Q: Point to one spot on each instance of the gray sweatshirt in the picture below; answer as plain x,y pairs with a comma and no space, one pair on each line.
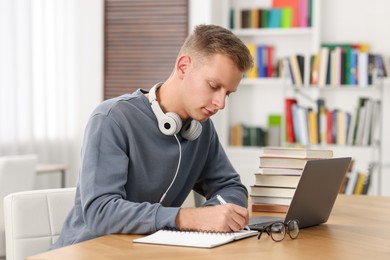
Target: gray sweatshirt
127,164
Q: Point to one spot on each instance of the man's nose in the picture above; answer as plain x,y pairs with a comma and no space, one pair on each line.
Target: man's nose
219,100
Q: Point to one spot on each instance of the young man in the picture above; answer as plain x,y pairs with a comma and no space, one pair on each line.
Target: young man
144,152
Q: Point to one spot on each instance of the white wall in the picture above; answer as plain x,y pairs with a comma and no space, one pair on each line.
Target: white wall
357,21
89,16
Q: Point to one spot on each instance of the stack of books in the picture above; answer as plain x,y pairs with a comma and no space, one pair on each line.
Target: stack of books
278,176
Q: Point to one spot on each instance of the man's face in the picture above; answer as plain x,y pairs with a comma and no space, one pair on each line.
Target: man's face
206,86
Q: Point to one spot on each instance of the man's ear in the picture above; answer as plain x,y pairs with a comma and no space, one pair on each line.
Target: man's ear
182,65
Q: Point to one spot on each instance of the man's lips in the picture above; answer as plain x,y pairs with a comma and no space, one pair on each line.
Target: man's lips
210,111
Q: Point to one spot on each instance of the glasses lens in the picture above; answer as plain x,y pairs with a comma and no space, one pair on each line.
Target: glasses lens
277,231
293,228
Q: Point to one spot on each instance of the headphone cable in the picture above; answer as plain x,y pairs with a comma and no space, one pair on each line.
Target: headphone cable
177,170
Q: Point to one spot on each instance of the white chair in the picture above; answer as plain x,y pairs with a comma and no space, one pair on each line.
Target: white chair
17,173
34,219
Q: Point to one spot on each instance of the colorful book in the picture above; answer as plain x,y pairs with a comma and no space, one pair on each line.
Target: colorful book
286,17
253,73
293,5
274,17
290,136
313,126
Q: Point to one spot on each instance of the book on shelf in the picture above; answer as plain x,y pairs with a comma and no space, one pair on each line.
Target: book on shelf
357,182
329,126
314,69
338,64
321,120
273,180
270,200
296,152
242,135
253,72
193,238
297,73
286,18
272,191
313,126
352,181
323,66
289,119
274,14
342,122
301,123
274,130
274,18
263,59
257,207
293,5
260,60
305,125
366,183
270,61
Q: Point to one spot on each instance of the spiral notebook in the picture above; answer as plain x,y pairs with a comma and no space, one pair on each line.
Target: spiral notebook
193,238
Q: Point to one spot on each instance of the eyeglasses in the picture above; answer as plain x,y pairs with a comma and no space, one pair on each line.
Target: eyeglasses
278,230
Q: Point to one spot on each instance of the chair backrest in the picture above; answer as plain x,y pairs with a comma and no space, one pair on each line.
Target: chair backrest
34,219
17,173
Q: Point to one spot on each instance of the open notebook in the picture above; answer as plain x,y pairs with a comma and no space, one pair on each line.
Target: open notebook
193,238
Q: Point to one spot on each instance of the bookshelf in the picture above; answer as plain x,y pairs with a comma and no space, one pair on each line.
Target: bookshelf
257,98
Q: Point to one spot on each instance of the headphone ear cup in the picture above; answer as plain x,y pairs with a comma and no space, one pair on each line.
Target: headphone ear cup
191,130
170,124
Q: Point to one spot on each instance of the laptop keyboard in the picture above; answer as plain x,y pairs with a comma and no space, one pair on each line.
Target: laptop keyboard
258,223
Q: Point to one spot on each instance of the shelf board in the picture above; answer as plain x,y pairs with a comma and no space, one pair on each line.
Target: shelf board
337,88
262,81
274,32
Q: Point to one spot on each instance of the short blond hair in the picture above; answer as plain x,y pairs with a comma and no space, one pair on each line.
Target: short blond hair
208,40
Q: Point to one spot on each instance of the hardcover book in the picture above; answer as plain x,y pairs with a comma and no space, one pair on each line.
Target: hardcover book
284,162
290,181
269,208
272,191
296,152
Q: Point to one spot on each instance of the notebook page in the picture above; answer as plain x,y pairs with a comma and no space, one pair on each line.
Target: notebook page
193,239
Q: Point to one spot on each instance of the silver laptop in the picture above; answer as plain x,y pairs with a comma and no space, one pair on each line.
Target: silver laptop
315,194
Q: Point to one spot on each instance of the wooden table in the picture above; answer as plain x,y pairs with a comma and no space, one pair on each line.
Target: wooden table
53,168
359,228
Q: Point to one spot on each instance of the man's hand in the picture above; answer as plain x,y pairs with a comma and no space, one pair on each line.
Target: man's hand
221,218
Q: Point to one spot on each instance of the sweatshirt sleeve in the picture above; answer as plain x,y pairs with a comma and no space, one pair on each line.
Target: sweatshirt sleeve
103,176
220,177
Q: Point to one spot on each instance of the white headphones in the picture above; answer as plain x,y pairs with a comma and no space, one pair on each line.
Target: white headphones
170,123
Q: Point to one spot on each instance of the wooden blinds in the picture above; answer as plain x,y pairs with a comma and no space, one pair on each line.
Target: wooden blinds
142,40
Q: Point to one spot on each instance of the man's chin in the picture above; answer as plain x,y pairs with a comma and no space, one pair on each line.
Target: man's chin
201,118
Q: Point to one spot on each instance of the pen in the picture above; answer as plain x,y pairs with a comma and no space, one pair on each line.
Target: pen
222,201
